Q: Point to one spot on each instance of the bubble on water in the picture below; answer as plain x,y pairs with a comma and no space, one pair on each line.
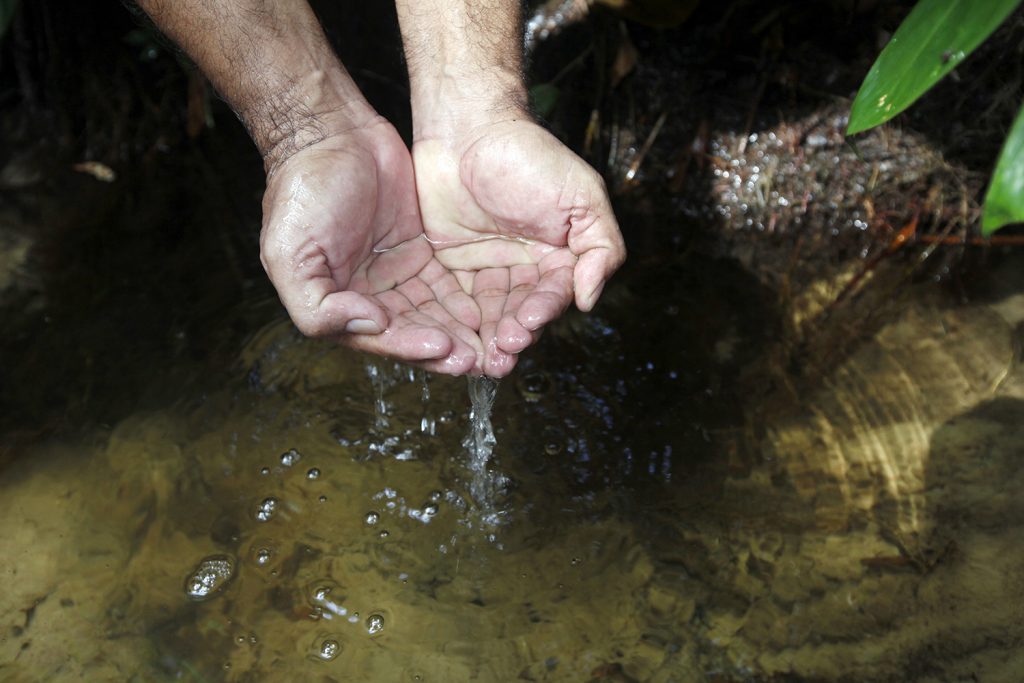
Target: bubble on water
210,575
313,473
374,624
329,649
262,556
430,509
326,598
264,471
435,496
371,518
322,499
533,386
266,509
290,457
384,533
240,640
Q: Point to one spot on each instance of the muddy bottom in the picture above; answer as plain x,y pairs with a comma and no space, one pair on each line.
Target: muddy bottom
655,512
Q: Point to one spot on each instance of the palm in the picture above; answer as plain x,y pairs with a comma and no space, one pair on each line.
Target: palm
342,244
522,222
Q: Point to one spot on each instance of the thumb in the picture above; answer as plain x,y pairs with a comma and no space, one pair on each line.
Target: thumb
319,310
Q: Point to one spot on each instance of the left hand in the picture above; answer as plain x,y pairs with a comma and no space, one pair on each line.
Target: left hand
525,225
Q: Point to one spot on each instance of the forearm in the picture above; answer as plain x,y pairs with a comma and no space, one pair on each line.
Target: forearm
465,63
272,63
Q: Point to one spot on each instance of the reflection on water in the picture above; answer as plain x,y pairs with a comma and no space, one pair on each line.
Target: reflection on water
664,516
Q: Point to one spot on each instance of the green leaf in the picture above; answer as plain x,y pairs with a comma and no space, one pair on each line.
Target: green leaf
7,9
934,38
1004,201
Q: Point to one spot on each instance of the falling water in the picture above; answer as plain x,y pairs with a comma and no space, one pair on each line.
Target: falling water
376,374
485,485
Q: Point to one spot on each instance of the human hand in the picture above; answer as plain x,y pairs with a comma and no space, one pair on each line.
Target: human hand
343,244
525,225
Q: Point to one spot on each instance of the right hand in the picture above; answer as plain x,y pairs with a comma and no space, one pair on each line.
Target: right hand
342,242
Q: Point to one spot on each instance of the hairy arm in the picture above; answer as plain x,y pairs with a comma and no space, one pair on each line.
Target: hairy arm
465,63
272,63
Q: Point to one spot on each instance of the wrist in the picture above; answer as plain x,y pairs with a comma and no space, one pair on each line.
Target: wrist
304,113
465,64
449,105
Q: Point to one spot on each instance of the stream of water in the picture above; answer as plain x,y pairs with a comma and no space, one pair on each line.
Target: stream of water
637,503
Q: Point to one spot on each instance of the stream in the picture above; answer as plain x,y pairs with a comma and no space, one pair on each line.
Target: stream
628,507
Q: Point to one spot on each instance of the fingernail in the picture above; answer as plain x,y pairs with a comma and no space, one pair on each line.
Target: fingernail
362,326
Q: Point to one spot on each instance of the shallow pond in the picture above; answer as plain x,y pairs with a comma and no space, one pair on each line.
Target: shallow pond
662,504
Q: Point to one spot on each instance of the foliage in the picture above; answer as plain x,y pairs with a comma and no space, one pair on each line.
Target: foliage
935,37
1004,202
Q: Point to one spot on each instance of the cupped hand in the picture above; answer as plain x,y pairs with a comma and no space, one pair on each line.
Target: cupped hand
525,225
343,243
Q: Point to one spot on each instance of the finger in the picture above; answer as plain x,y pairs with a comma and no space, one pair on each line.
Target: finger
511,335
419,298
402,339
467,352
449,293
490,290
314,300
598,243
318,312
410,343
438,344
550,297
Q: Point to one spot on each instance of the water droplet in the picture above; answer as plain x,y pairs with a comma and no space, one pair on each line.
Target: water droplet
430,509
252,639
372,518
240,640
374,624
290,457
436,496
552,448
210,575
321,593
322,499
329,649
384,533
263,556
264,471
266,509
313,473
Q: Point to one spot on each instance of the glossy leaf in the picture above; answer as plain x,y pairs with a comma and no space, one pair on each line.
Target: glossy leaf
934,38
1004,202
